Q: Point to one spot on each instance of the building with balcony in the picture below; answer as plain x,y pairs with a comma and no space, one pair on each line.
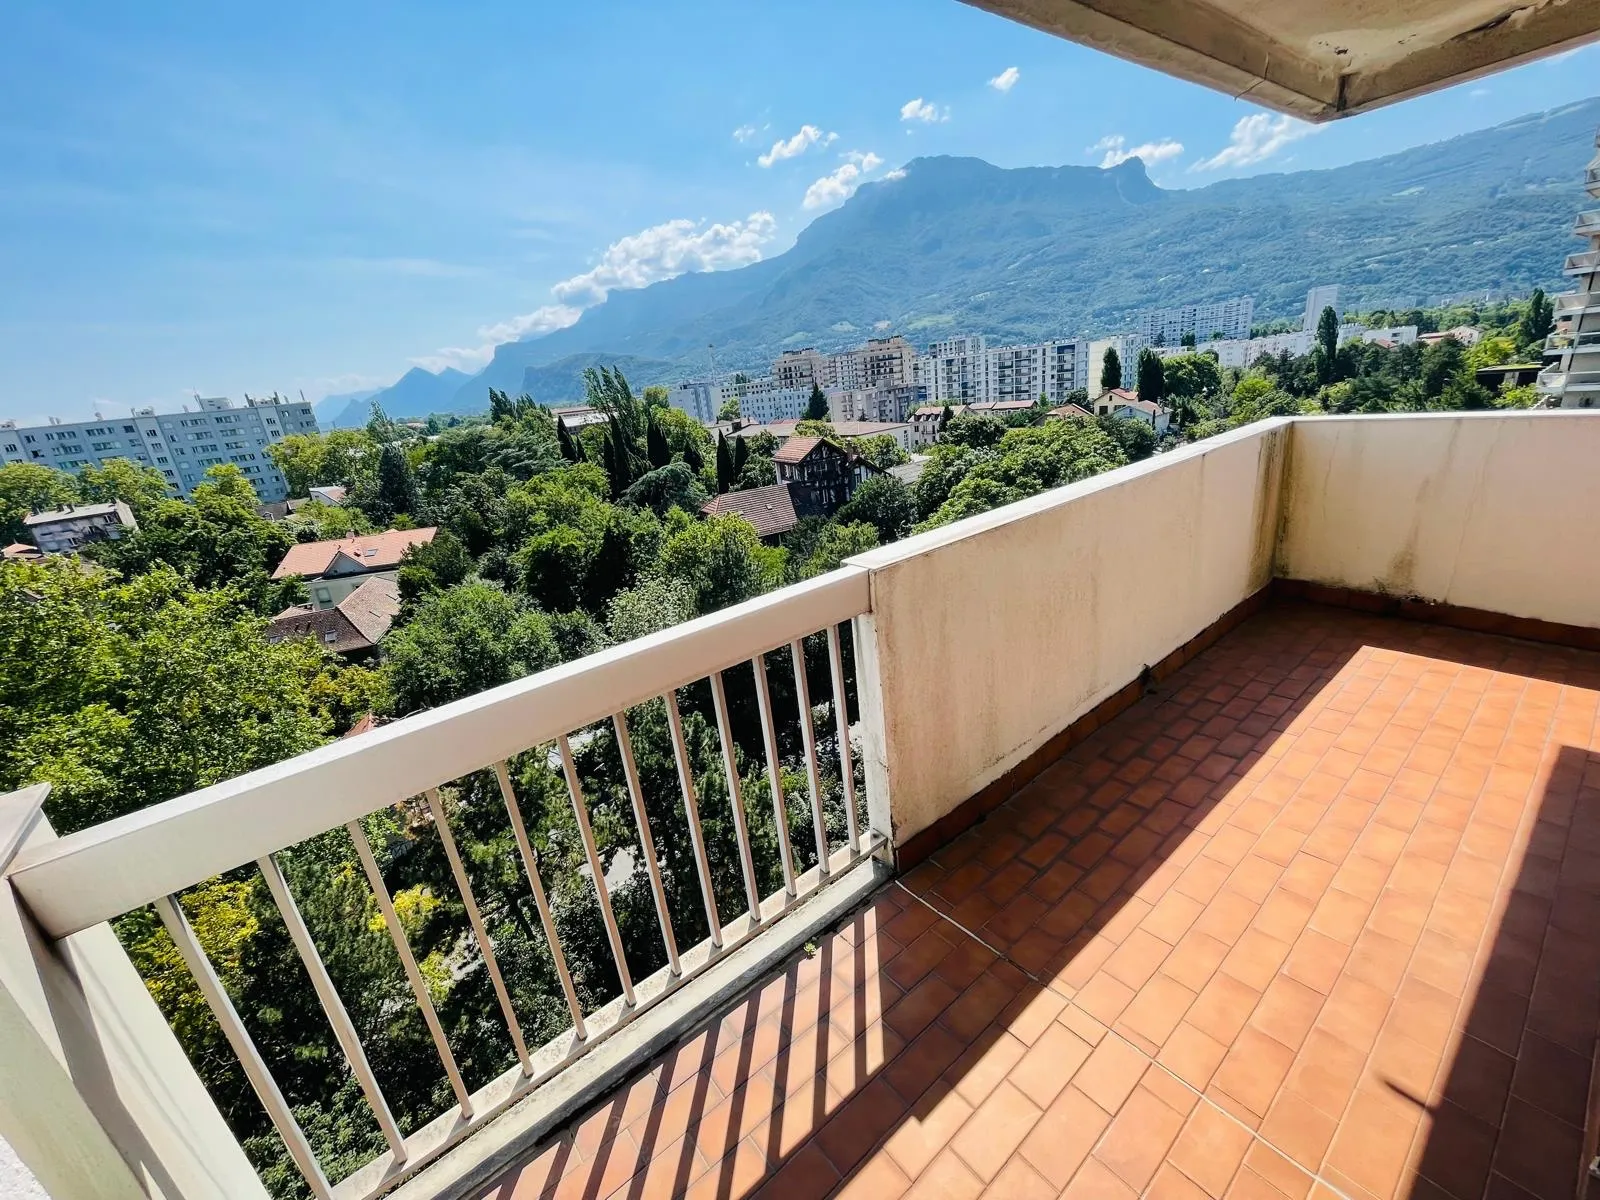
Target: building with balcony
1572,379
181,445
66,530
1217,321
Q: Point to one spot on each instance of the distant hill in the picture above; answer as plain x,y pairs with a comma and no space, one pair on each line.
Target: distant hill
415,394
330,409
958,245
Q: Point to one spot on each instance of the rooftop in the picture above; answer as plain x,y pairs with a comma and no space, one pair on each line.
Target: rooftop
771,509
796,449
356,623
373,552
1317,911
72,512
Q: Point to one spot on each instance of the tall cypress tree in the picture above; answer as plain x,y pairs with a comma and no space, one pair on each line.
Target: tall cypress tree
1327,346
656,448
1111,370
619,461
724,465
570,450
817,406
741,455
397,486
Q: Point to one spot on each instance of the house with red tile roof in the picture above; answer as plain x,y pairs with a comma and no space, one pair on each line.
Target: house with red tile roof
352,627
334,569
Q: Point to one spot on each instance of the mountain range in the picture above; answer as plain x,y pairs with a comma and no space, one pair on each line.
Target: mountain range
956,245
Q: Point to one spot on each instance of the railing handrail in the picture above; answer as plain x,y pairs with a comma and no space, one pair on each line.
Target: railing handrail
108,869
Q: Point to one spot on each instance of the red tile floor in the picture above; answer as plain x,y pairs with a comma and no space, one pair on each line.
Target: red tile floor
1321,916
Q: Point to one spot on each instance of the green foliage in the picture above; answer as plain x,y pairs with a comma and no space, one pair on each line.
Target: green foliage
1136,439
1110,370
1327,347
885,504
725,476
343,457
817,405
729,410
214,539
977,431
721,560
670,486
124,693
1151,383
396,491
434,566
462,641
1536,322
140,488
654,604
26,488
1026,461
881,450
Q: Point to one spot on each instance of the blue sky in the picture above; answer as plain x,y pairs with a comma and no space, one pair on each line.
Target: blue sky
318,197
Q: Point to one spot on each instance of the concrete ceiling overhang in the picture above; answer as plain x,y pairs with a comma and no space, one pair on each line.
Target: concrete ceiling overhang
1317,59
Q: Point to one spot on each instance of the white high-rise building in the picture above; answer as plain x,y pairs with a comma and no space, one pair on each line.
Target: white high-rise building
181,445
1205,322
1573,379
956,371
1317,299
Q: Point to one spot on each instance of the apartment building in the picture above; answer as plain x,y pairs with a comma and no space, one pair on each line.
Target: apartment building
801,369
1317,299
882,362
181,445
1127,346
955,371
874,404
1573,378
1204,322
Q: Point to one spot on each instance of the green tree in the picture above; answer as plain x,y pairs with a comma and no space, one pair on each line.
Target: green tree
463,641
28,488
725,476
122,693
656,448
1136,439
881,450
722,560
1025,461
840,540
977,431
435,566
396,491
346,457
1327,348
1537,320
1151,384
140,488
669,486
729,410
817,406
884,503
1187,341
570,450
1110,370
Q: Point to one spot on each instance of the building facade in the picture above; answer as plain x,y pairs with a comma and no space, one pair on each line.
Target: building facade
1573,378
65,530
1318,298
333,569
1204,322
181,445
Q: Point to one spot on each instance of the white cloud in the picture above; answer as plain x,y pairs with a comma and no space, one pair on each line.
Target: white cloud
808,136
745,133
922,110
1254,139
840,184
638,260
897,173
1006,80
1116,150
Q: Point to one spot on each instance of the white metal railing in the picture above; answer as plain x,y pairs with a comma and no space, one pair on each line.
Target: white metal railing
1572,304
1573,341
149,857
1587,224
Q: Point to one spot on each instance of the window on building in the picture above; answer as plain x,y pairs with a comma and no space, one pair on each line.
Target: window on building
129,429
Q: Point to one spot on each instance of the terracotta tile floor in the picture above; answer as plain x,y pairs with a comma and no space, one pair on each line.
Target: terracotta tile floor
1319,918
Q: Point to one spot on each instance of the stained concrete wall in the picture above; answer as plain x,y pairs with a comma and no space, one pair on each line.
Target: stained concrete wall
1483,510
988,637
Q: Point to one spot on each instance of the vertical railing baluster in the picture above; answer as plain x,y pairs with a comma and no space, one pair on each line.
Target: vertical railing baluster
464,885
343,1028
841,721
255,1067
647,843
530,864
581,811
419,986
730,766
697,836
769,739
808,737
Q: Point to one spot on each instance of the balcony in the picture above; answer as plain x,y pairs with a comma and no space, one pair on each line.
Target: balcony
1582,264
1587,224
1591,181
1579,343
1576,304
1552,382
1236,849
